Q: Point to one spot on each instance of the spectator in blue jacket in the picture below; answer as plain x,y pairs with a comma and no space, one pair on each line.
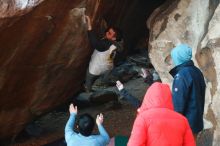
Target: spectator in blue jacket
85,127
188,89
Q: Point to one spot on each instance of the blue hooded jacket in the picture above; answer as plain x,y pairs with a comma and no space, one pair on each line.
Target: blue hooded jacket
180,54
188,90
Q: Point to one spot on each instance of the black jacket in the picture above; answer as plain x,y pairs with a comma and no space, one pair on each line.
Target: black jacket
188,93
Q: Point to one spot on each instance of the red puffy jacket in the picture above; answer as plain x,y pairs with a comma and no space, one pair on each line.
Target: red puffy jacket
157,124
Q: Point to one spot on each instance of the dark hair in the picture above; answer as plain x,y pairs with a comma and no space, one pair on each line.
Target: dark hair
118,32
86,124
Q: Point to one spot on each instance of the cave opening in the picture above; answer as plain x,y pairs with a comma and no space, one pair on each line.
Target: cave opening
132,18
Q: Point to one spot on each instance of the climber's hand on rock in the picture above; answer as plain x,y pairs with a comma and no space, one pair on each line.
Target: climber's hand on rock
88,20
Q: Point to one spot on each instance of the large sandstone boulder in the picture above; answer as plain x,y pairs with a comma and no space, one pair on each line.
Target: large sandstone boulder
43,59
195,22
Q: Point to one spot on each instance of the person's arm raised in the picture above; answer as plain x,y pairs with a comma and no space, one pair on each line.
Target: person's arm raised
102,131
94,41
127,96
70,123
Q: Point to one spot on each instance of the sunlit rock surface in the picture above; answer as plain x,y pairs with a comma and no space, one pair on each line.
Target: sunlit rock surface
10,10
195,22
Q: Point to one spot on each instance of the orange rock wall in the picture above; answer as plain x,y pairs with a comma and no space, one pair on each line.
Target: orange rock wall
44,55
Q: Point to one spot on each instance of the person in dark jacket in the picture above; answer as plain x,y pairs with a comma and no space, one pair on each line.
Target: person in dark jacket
149,78
135,102
104,53
188,89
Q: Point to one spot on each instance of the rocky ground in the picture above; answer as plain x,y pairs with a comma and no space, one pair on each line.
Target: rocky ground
119,116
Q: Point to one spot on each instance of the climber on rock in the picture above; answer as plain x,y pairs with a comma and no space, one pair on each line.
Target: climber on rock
103,55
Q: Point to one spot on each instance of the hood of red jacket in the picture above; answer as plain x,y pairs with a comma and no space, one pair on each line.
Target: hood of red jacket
158,95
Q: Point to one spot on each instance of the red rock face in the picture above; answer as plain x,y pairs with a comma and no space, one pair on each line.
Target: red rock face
45,51
15,8
43,59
